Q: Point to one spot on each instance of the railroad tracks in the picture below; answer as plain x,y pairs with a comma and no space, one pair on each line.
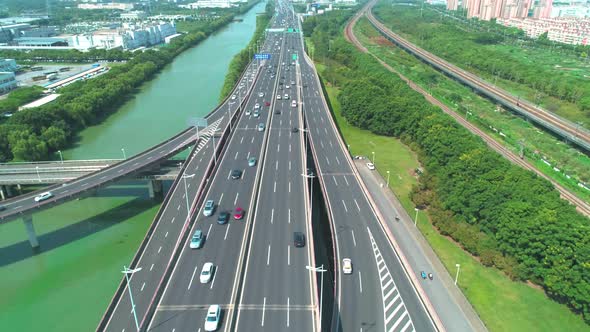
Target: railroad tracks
581,205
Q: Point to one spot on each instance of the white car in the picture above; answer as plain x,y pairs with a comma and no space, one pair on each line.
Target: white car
287,86
248,112
261,94
43,196
212,320
347,266
256,106
233,97
278,97
370,166
294,103
206,273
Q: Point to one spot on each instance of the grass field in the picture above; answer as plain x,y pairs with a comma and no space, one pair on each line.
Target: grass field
502,304
510,129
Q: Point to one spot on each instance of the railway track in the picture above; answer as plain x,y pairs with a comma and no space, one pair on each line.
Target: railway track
581,205
550,121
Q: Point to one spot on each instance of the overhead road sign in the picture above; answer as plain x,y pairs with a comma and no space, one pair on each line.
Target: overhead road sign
261,56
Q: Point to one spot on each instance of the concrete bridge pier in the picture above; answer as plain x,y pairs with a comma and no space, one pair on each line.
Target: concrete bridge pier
28,221
154,187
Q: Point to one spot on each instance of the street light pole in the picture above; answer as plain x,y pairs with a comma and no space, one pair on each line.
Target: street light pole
127,272
124,155
320,270
61,157
416,219
373,157
38,176
457,275
229,113
184,177
387,179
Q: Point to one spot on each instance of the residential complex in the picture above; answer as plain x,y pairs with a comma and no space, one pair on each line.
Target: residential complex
8,65
564,30
110,5
7,81
213,4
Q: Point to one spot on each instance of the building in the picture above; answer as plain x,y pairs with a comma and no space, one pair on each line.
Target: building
7,82
8,65
574,31
135,15
130,36
452,4
209,4
110,5
40,41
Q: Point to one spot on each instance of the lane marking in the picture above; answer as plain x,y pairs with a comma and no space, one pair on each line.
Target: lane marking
159,249
288,254
236,157
288,308
152,267
353,238
263,310
220,198
360,282
226,231
289,186
277,165
166,235
272,215
268,256
345,180
236,199
357,205
275,187
289,219
208,231
142,287
214,277
242,140
334,177
192,277
345,208
172,221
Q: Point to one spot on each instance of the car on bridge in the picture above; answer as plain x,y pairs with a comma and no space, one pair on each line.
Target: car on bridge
299,239
209,208
223,218
371,166
347,266
256,113
278,97
252,161
206,273
213,317
43,196
197,239
261,94
294,103
239,213
286,96
256,106
260,127
236,174
248,112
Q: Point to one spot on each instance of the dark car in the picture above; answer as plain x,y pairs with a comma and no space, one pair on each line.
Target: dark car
223,218
236,174
299,239
277,111
294,130
266,103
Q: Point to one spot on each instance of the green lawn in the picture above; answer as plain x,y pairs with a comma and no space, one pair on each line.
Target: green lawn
502,304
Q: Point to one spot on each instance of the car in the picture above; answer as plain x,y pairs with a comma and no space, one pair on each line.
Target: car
236,174
266,103
347,266
287,86
223,218
213,317
256,113
239,213
252,161
248,112
233,97
43,196
206,273
294,103
209,208
261,94
260,127
299,239
277,111
278,97
286,96
292,82
256,106
370,166
294,130
197,239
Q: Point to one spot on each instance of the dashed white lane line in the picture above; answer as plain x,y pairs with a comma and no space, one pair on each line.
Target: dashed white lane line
357,205
152,267
172,220
159,249
263,310
272,215
192,277
226,231
242,140
252,141
328,160
236,156
220,198
214,275
345,208
236,199
166,235
345,180
278,147
208,231
142,287
268,256
289,186
353,238
277,165
335,182
360,282
178,208
288,255
338,160
288,308
289,217
289,165
275,187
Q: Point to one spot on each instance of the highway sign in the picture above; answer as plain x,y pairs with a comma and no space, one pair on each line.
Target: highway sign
261,56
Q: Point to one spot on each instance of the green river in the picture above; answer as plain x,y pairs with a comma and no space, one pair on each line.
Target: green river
85,243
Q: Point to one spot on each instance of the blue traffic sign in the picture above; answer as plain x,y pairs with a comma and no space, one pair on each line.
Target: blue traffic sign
262,56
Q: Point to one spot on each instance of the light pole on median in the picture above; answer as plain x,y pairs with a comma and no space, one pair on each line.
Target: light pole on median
310,176
184,177
416,219
373,157
228,112
124,155
61,157
126,271
320,270
457,275
387,179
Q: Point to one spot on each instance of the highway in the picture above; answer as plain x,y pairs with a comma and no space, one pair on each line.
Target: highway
550,121
277,289
378,295
156,256
185,300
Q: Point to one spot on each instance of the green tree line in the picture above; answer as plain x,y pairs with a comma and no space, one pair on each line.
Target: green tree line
509,217
34,134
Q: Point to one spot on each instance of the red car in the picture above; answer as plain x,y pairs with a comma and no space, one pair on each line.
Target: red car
239,213
266,103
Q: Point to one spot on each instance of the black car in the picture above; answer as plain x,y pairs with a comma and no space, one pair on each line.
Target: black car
277,112
294,130
236,174
223,218
299,239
